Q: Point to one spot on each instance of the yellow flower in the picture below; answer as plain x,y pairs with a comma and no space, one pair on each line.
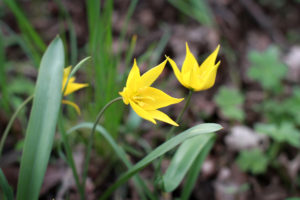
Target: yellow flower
71,87
197,77
145,100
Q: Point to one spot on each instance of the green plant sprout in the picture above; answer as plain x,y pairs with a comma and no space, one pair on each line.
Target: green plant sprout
230,102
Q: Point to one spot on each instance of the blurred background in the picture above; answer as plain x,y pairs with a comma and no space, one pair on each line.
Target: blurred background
256,97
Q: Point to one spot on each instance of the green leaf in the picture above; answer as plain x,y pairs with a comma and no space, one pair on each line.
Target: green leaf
42,122
195,169
285,132
183,160
292,105
5,187
230,102
199,10
253,160
118,150
21,85
267,69
160,150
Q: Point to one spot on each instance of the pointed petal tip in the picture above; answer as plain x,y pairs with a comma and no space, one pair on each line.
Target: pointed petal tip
218,48
187,47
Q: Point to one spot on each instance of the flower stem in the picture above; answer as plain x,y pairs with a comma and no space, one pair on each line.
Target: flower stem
10,123
90,142
178,120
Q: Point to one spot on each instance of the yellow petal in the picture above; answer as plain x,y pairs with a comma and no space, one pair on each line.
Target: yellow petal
150,76
133,77
74,105
67,71
176,70
72,87
190,63
208,78
156,114
124,96
152,99
209,61
141,112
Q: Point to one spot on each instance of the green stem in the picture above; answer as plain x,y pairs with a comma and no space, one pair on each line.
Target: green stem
10,123
90,142
178,120
70,156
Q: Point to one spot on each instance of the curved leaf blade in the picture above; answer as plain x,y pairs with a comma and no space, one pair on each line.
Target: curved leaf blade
160,150
183,160
192,175
42,122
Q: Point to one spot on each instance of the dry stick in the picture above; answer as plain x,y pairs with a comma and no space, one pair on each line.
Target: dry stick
90,142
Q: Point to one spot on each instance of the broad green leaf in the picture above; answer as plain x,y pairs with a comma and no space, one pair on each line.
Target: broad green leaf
253,160
160,150
192,175
8,193
267,69
230,102
42,122
285,132
183,160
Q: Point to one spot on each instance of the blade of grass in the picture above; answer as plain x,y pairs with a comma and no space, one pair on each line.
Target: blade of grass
72,32
159,151
5,187
141,186
42,122
195,169
157,53
14,38
199,10
129,14
129,53
10,123
25,25
3,85
183,160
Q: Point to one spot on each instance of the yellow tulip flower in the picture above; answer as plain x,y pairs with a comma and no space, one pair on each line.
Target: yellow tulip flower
71,87
197,77
146,100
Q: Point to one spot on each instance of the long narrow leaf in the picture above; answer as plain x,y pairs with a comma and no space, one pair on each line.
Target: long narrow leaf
25,25
5,187
42,122
183,160
195,169
160,150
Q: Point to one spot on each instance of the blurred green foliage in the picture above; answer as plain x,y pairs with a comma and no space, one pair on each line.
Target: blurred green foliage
230,102
267,69
253,160
199,10
280,110
285,132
